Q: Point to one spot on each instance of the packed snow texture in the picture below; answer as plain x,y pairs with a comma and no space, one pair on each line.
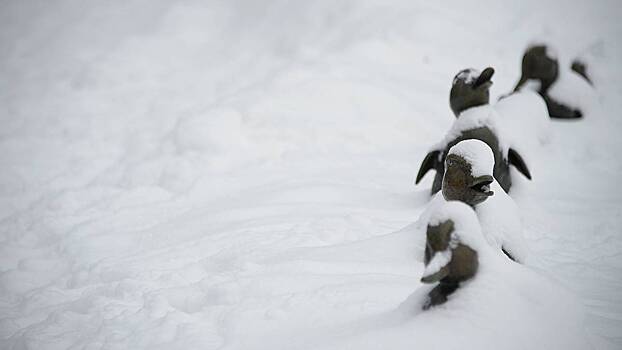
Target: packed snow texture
477,153
238,175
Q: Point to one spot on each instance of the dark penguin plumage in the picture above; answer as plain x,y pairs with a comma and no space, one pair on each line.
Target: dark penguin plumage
471,90
462,266
540,66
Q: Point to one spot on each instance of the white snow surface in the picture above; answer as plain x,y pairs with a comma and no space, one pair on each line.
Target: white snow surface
477,153
237,175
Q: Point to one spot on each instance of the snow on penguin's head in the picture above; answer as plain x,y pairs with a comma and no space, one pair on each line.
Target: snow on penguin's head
470,88
468,172
477,153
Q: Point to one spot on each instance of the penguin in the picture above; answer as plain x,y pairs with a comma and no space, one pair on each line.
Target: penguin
449,259
541,72
469,179
476,119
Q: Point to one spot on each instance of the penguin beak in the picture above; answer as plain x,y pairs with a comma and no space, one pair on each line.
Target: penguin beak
439,275
483,81
482,185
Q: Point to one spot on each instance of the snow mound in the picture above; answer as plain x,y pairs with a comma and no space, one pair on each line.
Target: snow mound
524,121
472,118
501,223
529,311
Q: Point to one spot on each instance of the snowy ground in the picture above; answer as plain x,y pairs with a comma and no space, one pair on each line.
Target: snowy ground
239,174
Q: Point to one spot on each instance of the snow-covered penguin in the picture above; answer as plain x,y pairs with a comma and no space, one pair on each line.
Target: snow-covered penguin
476,119
563,89
450,252
468,179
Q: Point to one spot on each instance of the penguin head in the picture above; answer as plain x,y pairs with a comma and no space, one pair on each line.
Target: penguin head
451,240
470,88
539,64
468,172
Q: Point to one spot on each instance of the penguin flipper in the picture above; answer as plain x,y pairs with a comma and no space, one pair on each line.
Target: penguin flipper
517,161
428,163
561,111
580,68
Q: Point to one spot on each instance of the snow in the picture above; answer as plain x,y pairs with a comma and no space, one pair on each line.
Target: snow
477,153
524,121
475,117
573,90
468,75
238,175
531,85
520,121
501,223
522,302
